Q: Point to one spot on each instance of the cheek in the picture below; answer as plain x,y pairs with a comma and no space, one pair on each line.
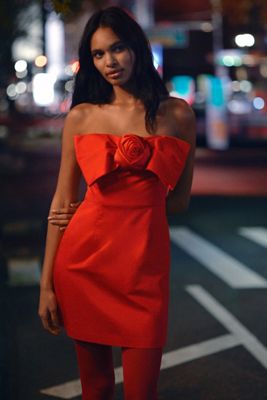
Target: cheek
130,60
98,65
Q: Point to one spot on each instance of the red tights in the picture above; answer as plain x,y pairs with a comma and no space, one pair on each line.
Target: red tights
141,368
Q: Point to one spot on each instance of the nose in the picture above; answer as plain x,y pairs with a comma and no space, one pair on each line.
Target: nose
110,60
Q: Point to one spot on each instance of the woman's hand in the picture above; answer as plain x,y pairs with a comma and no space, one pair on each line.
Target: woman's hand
48,311
62,216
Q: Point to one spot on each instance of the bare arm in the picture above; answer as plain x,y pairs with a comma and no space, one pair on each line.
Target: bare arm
62,216
66,193
178,199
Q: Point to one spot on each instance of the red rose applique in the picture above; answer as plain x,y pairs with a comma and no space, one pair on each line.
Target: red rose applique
132,151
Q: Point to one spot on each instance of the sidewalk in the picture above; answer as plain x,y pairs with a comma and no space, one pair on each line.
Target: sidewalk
234,172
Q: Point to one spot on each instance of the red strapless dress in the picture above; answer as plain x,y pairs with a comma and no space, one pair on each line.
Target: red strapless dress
111,270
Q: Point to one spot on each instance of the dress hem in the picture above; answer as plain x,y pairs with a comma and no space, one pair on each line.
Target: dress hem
115,341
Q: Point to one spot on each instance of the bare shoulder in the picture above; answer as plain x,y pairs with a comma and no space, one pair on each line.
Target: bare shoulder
183,117
75,118
181,109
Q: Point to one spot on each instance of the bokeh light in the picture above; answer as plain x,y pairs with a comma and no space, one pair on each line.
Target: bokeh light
40,61
245,40
258,103
20,65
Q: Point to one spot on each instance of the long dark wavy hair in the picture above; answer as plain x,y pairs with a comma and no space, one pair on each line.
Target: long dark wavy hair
91,87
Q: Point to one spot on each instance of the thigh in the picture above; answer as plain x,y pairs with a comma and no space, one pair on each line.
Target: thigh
96,357
95,362
141,368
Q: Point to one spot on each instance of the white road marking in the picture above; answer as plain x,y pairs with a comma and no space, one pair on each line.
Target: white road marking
72,389
248,340
233,272
66,390
198,350
23,271
256,233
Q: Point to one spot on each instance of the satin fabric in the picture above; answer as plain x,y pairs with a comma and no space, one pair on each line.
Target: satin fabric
111,270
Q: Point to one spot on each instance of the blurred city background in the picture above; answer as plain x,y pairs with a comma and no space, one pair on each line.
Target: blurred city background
212,53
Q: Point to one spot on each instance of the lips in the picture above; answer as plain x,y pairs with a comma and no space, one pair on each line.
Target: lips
114,73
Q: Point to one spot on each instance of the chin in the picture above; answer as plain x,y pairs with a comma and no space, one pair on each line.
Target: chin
119,82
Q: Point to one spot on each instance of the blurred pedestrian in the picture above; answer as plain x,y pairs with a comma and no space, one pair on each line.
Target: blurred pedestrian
105,278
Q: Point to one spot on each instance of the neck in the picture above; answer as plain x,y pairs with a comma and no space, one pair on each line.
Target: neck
123,95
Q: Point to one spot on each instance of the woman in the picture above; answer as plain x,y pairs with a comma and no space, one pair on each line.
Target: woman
105,278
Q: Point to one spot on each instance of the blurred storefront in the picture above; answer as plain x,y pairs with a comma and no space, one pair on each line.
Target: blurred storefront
182,34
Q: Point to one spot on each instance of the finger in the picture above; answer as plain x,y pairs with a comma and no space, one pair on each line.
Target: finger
45,322
51,328
55,319
54,330
61,228
59,217
60,222
68,209
75,204
63,210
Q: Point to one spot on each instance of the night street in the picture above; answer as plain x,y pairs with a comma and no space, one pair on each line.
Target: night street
217,346
121,72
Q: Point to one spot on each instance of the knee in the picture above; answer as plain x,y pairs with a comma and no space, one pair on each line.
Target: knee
141,368
140,388
103,390
100,389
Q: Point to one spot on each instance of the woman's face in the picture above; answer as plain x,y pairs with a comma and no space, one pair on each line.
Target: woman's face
111,57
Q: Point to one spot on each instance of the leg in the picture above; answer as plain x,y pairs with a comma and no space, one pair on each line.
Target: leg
141,368
95,364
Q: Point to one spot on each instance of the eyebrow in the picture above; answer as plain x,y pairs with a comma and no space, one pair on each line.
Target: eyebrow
112,45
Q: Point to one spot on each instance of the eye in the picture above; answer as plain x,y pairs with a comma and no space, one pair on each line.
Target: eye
97,54
119,47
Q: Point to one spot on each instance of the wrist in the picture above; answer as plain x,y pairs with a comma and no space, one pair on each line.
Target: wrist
46,286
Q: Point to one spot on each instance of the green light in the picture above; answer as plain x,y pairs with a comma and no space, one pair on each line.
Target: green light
228,61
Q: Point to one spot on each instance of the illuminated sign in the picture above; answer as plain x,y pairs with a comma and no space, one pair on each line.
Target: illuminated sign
168,36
